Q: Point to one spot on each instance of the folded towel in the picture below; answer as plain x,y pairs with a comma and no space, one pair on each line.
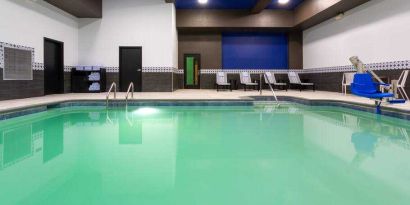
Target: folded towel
94,87
94,76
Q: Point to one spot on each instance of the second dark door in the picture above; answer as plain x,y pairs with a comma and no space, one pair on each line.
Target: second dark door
130,68
53,67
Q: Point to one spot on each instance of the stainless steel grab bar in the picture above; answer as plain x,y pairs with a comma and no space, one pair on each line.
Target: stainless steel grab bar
130,88
113,85
270,86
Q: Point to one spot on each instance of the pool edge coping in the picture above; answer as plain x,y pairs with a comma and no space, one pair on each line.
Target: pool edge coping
41,107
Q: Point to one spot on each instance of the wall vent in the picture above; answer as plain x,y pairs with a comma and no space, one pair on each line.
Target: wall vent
17,64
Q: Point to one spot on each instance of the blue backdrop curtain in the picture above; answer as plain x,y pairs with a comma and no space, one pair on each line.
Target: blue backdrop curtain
255,51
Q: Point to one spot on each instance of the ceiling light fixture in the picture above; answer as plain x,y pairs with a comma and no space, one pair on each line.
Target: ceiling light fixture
203,1
340,16
283,1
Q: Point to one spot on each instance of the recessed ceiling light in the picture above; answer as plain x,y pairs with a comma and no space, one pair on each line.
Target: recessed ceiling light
203,1
283,1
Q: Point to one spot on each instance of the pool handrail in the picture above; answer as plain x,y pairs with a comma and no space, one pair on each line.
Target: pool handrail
270,86
113,85
130,89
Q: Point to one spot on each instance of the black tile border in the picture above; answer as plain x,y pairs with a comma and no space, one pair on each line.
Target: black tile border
248,101
155,103
386,111
18,113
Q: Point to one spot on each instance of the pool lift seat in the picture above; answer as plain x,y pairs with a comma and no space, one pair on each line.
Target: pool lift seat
364,86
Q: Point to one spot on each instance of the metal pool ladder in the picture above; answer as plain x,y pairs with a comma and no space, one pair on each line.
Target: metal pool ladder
270,86
130,89
113,86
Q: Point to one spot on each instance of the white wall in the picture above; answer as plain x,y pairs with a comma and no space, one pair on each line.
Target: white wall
175,37
26,23
146,23
377,31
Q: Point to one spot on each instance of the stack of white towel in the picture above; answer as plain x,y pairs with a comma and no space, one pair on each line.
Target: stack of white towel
94,87
94,77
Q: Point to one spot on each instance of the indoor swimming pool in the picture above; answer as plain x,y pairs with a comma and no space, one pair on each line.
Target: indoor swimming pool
286,154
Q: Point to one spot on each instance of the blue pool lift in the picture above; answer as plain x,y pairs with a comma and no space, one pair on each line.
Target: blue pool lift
364,86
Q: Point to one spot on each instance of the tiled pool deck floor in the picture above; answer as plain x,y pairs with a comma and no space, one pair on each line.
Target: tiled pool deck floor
190,95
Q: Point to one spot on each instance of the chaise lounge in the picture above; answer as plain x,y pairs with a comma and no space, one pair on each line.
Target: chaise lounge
246,80
270,79
295,80
222,81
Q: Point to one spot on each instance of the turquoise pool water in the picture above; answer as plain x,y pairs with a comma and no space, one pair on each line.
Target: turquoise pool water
242,155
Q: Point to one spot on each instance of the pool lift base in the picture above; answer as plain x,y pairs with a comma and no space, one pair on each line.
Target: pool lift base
364,86
397,101
378,103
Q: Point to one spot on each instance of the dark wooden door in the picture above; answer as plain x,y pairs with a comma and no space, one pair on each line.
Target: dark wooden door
192,69
53,67
130,68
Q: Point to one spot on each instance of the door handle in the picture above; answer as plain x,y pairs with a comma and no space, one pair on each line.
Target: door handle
139,70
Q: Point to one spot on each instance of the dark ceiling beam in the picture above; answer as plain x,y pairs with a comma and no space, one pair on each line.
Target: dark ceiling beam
234,19
260,6
80,8
313,12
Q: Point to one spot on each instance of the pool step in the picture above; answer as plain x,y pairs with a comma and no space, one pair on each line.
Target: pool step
271,103
274,107
265,103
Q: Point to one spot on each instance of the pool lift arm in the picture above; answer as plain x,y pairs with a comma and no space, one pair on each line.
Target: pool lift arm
364,86
361,68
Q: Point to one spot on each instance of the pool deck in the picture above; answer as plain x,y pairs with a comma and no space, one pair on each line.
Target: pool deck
190,95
